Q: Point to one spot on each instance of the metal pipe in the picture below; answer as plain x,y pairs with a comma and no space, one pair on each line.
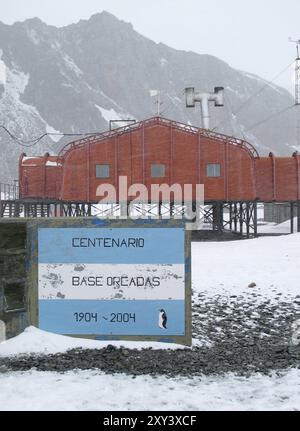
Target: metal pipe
204,98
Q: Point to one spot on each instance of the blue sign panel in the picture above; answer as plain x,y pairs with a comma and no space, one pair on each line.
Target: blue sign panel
112,281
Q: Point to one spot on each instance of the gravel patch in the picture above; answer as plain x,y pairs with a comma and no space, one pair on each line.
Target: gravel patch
242,334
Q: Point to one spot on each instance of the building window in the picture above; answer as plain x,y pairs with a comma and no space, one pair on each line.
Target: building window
158,171
102,171
213,170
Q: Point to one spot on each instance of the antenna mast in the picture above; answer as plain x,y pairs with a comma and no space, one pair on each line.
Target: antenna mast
297,89
157,94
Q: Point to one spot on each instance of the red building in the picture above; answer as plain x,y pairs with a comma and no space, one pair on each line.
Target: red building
157,151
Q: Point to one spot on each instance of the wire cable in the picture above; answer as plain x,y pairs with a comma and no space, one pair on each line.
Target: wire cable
35,141
227,100
269,118
257,93
267,84
32,142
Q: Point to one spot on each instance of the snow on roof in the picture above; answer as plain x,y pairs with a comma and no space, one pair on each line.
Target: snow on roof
25,158
50,163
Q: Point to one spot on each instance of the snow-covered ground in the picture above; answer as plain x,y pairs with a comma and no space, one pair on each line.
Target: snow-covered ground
246,277
284,228
228,268
92,390
36,341
222,270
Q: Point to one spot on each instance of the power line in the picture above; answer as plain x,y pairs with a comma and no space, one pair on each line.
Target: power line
228,112
269,118
257,93
263,88
32,142
35,141
239,125
297,90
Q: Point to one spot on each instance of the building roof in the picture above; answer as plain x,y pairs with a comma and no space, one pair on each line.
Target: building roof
160,121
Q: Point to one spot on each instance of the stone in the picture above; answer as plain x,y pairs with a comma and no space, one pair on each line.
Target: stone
252,285
234,345
3,369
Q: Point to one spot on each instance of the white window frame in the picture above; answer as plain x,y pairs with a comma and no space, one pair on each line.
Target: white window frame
213,170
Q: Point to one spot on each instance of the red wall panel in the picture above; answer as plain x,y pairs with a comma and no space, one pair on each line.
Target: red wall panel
185,154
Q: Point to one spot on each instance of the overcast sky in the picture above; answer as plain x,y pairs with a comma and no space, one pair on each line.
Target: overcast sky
251,35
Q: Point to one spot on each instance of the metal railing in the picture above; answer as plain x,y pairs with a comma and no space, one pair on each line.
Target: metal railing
9,192
96,137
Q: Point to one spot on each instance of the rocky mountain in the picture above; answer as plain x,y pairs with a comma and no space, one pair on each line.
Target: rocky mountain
76,78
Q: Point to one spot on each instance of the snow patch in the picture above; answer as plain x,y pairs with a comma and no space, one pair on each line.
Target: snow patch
296,333
255,77
17,82
108,114
25,158
108,98
33,36
50,129
111,114
23,119
284,228
36,341
2,69
163,62
56,45
71,65
271,262
50,163
94,390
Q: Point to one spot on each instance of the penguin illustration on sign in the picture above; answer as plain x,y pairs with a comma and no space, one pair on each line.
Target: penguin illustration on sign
162,319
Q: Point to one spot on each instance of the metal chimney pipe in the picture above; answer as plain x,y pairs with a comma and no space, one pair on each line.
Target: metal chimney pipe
204,98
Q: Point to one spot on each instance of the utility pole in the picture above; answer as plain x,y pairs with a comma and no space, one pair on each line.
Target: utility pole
157,94
297,91
158,103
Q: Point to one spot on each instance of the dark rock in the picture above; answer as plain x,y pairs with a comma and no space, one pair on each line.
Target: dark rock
240,343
